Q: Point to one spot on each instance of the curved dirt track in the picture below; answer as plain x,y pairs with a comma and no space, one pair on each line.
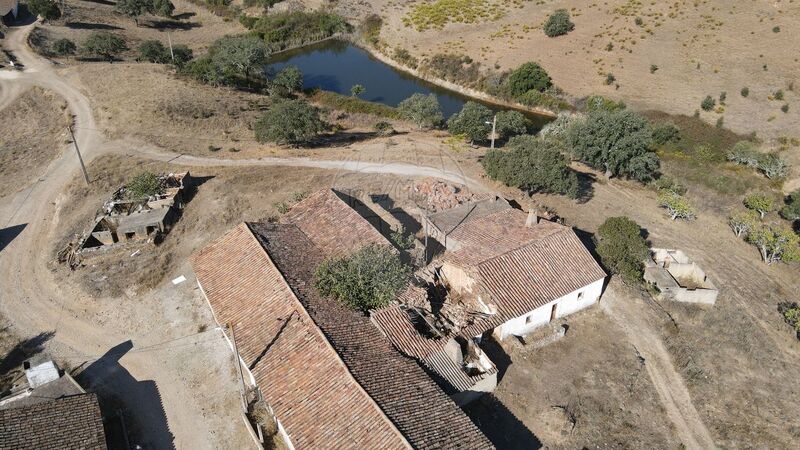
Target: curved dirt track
32,300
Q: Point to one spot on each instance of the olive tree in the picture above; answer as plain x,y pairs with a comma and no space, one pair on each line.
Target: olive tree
761,202
742,222
622,248
532,165
368,279
291,122
239,55
104,45
677,205
473,122
775,243
135,8
422,109
620,142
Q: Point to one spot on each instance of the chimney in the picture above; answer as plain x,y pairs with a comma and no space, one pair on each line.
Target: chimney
532,219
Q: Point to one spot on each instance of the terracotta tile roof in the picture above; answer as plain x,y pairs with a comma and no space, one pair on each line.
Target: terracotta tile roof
425,415
520,267
332,224
69,422
395,323
450,219
301,376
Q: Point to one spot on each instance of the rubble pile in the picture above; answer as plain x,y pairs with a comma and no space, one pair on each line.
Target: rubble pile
435,195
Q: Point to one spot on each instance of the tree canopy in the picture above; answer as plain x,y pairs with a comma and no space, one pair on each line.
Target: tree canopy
533,165
135,8
471,122
677,205
761,202
291,122
368,279
46,9
422,109
622,248
239,55
792,209
620,142
775,243
104,45
529,76
287,80
558,23
511,123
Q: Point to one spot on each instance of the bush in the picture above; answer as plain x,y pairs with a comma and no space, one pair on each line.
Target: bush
778,95
64,47
46,9
619,142
286,81
291,122
471,122
534,98
368,279
527,77
775,243
776,29
558,23
742,222
532,165
558,128
760,202
669,184
354,105
785,108
600,103
104,45
511,123
295,28
142,186
791,315
163,8
370,29
792,209
773,166
744,153
666,133
402,239
154,51
677,205
745,91
622,248
383,128
610,79
653,68
183,54
422,109
708,103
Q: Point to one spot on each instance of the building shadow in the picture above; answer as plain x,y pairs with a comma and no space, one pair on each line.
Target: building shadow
500,425
8,234
140,401
495,352
24,349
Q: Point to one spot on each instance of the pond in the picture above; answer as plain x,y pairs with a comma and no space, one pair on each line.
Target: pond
336,66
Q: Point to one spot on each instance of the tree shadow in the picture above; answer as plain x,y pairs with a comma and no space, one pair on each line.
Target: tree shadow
341,139
24,349
102,2
171,25
91,26
185,15
24,17
140,401
8,234
585,186
500,425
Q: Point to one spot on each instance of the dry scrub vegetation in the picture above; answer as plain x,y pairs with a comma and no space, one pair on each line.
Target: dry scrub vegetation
33,132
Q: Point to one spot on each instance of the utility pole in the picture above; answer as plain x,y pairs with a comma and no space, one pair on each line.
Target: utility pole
238,366
80,158
494,128
171,53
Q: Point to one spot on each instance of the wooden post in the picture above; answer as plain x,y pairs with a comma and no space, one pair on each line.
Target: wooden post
494,128
80,158
171,53
238,367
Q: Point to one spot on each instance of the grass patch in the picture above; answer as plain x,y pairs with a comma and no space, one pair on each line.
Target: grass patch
437,14
354,105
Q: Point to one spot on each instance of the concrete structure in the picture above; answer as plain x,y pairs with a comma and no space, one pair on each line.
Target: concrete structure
678,278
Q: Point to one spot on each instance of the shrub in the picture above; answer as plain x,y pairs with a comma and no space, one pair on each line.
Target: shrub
778,95
742,222
287,80
383,128
785,108
744,153
622,248
402,239
653,68
183,54
677,205
666,133
535,98
532,165
135,8
720,122
46,9
791,315
610,79
153,51
708,103
471,122
422,109
511,123
370,29
368,279
104,45
669,184
792,209
620,142
163,8
527,77
745,91
291,122
404,57
142,186
722,97
64,47
638,21
204,70
600,103
776,29
558,128
761,202
558,23
773,166
357,90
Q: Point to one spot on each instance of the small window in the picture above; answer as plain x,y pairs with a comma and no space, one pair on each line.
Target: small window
528,319
580,295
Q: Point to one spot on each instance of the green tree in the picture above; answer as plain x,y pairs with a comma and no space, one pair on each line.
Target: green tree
104,45
792,209
775,243
154,51
473,121
357,90
532,165
677,205
143,185
46,9
558,23
620,142
742,222
291,122
163,8
512,123
368,279
422,109
135,8
287,80
761,202
239,55
64,47
666,133
622,248
527,77
708,103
